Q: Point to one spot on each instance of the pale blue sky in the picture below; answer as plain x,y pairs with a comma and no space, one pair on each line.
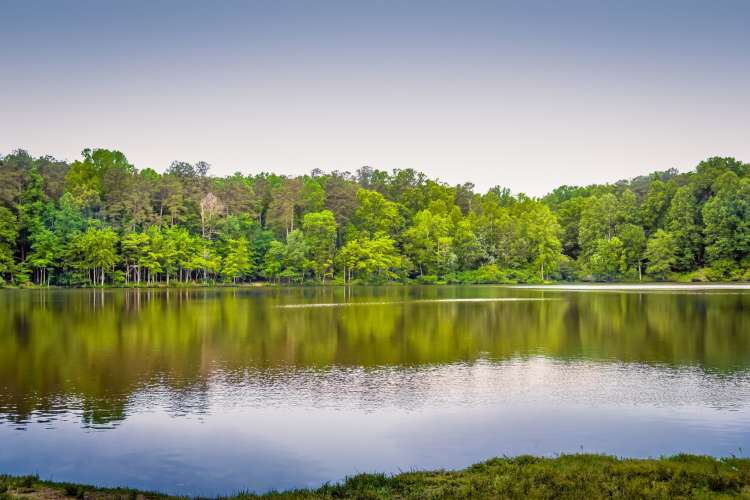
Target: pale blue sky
527,94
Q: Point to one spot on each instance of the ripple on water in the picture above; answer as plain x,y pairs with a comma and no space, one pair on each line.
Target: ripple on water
410,302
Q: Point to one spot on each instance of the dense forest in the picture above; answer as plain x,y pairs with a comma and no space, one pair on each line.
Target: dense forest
100,221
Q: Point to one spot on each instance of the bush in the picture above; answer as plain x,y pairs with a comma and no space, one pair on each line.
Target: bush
455,278
567,270
524,276
490,273
427,279
118,277
723,270
487,274
697,276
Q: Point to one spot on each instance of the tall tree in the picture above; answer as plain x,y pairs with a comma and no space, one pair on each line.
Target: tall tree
95,252
285,201
660,254
376,214
606,258
295,256
237,263
684,224
8,235
320,239
375,259
655,205
727,221
633,248
45,253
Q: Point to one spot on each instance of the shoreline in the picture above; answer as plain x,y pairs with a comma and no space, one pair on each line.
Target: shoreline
558,285
527,477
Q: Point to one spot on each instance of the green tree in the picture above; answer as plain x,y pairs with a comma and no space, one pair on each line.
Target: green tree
205,260
295,256
185,247
320,238
95,251
605,261
727,220
274,260
313,195
68,218
569,217
98,177
13,169
162,255
45,251
32,211
341,199
135,248
286,199
599,220
8,235
237,263
660,254
376,214
633,248
466,245
541,232
683,223
655,205
709,170
429,244
374,259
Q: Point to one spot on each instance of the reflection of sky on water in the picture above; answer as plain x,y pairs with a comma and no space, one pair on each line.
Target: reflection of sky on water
280,428
216,390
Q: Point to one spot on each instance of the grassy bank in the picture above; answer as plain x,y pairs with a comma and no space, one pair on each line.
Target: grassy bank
569,476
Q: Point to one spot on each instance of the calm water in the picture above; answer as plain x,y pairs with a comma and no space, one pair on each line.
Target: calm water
212,391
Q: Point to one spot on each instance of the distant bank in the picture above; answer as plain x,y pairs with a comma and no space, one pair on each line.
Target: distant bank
99,221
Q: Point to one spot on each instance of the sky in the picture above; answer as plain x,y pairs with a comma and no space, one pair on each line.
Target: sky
528,95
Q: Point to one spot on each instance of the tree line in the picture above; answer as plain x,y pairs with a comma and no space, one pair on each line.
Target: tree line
100,221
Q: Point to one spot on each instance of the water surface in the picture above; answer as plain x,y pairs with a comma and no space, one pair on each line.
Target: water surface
211,391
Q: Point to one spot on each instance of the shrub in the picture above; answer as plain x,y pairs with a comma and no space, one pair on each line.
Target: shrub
427,279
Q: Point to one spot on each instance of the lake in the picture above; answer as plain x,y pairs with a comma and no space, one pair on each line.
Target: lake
211,391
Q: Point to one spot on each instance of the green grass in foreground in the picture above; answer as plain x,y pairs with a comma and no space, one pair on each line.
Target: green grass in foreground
569,476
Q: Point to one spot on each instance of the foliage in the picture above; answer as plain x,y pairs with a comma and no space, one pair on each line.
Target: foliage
320,241
606,258
237,263
8,235
660,254
100,220
370,259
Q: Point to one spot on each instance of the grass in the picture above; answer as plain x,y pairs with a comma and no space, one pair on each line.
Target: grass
524,477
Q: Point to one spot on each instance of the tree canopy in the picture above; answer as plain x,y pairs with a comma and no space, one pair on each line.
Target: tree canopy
100,220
